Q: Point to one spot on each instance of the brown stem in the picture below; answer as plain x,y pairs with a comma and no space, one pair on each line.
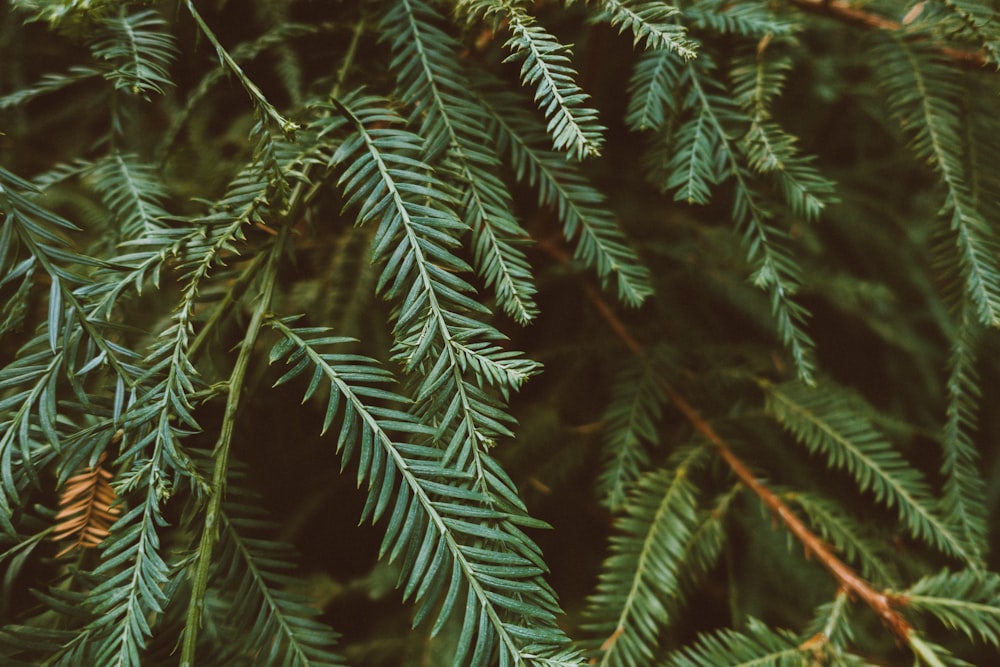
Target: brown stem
862,18
815,547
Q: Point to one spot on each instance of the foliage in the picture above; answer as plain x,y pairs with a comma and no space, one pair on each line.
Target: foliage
267,268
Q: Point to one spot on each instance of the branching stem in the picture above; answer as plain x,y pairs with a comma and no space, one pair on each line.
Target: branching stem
858,587
849,13
210,531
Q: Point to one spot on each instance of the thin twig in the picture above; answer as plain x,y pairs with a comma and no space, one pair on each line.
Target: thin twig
862,18
210,530
815,547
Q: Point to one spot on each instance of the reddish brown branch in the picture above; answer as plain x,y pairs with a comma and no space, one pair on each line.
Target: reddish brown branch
862,18
815,547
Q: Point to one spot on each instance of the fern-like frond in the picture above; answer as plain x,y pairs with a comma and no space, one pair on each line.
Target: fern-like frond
695,167
778,273
29,383
772,151
133,574
600,241
15,309
461,554
630,429
710,154
758,77
253,578
846,534
967,601
641,577
49,83
964,491
923,94
653,91
42,234
436,326
133,191
69,345
545,66
652,23
547,69
759,646
140,51
452,123
86,509
747,19
830,421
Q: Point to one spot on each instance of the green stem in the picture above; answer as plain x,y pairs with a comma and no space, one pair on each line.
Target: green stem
232,297
255,93
298,199
210,532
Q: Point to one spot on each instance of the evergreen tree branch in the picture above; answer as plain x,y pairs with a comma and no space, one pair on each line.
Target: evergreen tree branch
777,272
210,530
649,23
829,421
251,582
964,499
630,429
852,14
644,572
454,127
546,67
260,102
581,207
435,326
923,95
474,561
882,604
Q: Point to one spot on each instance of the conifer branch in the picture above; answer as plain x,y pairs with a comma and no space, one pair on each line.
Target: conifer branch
260,102
210,530
852,14
883,605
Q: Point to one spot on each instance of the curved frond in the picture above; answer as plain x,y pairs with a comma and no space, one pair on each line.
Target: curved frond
49,83
254,578
653,91
923,94
547,69
600,241
653,23
140,50
133,573
713,156
437,329
964,499
759,646
829,421
454,128
967,601
133,192
755,19
461,554
630,429
641,578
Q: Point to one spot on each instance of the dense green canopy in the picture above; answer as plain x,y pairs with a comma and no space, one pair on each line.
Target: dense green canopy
636,334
